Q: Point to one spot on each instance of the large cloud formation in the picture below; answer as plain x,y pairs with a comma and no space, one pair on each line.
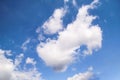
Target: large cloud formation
61,52
11,69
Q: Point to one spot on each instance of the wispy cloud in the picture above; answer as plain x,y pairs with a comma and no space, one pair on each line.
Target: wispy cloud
65,1
88,75
74,3
24,45
30,61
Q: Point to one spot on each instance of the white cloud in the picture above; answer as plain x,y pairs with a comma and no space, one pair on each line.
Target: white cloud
38,30
24,45
65,1
41,37
26,75
54,23
40,34
61,52
74,2
10,69
88,75
6,66
18,59
30,61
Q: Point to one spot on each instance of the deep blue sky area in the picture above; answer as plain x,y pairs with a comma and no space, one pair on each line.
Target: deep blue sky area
19,20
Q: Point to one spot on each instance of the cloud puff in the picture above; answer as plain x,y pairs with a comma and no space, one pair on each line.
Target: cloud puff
88,75
54,23
24,45
10,69
65,1
61,52
74,2
30,61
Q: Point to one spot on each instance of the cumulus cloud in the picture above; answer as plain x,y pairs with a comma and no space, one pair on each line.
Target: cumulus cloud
6,67
54,23
88,75
61,52
10,69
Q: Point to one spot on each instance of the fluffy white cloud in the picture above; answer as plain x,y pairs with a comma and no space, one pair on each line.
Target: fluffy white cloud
61,52
88,75
54,23
10,69
6,67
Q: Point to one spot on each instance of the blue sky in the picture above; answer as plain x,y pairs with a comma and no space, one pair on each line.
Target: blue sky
57,39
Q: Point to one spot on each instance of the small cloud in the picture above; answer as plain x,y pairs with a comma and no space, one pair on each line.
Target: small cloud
38,30
8,53
90,68
88,75
18,59
74,69
74,3
30,61
24,45
41,37
54,23
65,1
